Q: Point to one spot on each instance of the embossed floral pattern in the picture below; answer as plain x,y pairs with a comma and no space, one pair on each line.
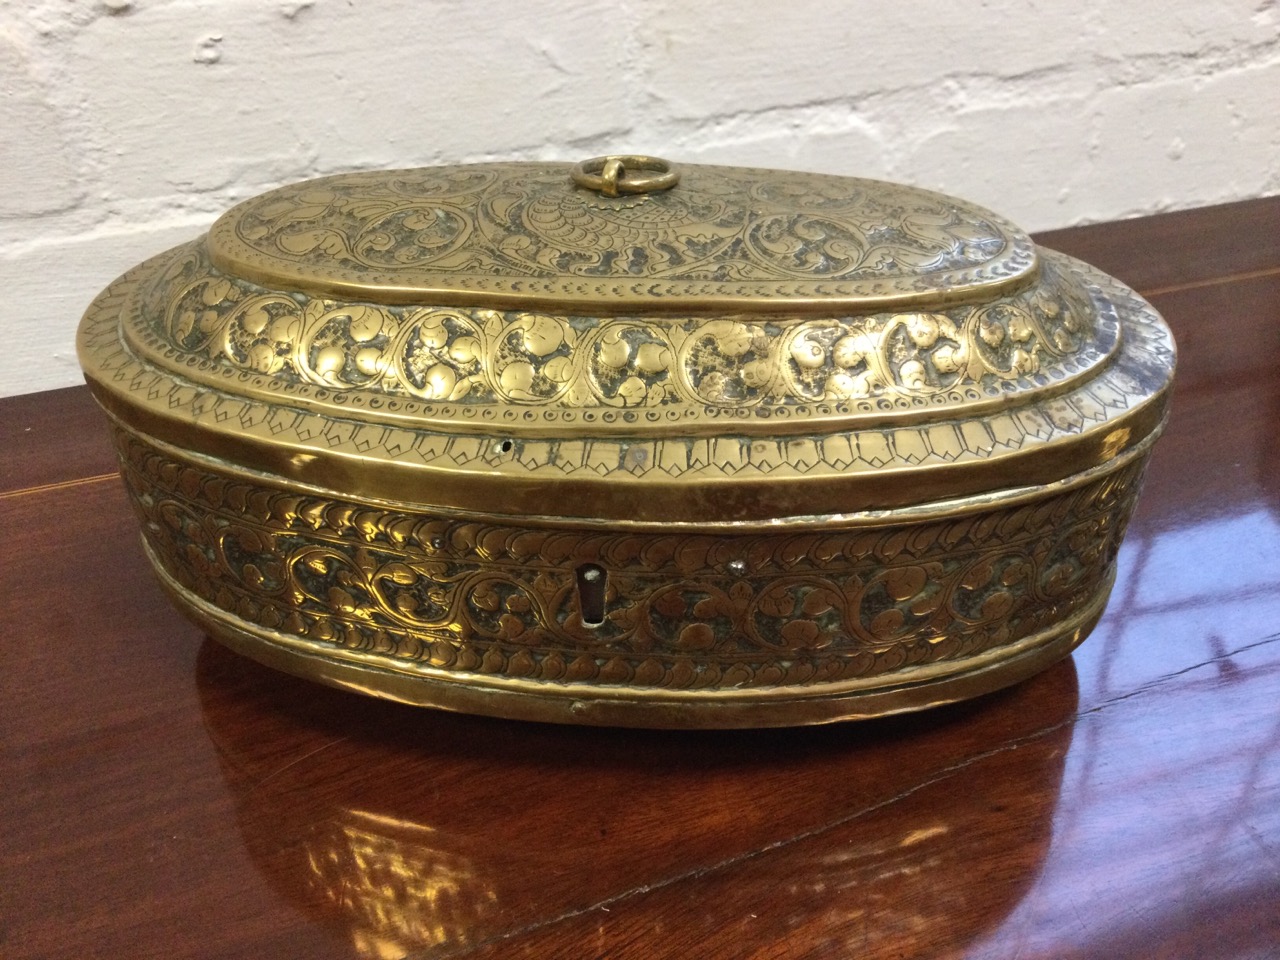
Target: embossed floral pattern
682,610
528,220
482,356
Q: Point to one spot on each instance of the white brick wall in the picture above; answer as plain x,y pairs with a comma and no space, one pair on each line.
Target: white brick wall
126,127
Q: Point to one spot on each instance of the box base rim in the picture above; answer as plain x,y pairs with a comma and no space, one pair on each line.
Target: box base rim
903,691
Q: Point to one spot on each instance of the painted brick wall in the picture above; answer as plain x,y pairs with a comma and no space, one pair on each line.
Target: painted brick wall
126,126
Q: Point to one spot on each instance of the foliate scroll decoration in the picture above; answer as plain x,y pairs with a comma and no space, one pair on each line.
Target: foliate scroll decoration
682,610
498,224
125,351
487,357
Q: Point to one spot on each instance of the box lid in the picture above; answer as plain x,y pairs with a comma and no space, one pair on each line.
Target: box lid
626,341
689,238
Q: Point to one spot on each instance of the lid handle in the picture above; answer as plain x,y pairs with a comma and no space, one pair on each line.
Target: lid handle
616,175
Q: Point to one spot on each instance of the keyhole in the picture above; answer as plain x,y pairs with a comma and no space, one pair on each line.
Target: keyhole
592,582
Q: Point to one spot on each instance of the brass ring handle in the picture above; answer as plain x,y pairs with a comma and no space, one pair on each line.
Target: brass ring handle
614,176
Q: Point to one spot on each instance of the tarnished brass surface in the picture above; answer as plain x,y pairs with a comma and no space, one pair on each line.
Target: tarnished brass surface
754,448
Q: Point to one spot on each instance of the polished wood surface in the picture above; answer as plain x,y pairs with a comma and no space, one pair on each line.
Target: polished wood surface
161,797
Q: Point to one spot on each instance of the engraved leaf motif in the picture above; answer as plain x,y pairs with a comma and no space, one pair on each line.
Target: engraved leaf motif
614,350
652,358
992,333
732,339
758,373
463,350
317,563
399,573
310,211
1017,571
440,381
691,555
894,544
1020,329
341,601
491,543
185,325
796,549
542,336
949,359
708,607
369,361
818,602
254,321
632,391
978,574
527,545
842,386
328,364
850,350
510,626
886,623
365,209
486,597
253,576
313,312
913,375
1058,579
923,539
923,329
365,324
808,353
517,380
263,358
670,604
903,583
558,369
406,604
997,605
803,635
329,242
216,292
926,604
696,636
777,602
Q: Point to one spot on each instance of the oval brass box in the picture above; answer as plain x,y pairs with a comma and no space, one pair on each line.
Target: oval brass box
631,443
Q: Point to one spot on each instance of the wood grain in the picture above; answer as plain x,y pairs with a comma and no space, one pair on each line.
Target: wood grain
164,798
52,437
1187,248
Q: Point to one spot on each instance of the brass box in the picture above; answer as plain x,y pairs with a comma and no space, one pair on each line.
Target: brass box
631,444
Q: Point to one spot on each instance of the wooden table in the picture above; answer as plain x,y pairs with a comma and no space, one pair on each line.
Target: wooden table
160,797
